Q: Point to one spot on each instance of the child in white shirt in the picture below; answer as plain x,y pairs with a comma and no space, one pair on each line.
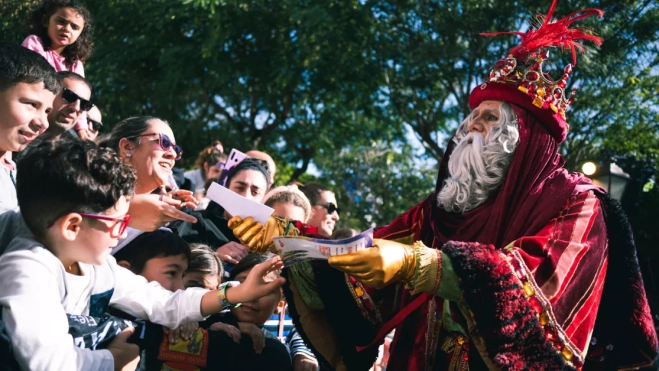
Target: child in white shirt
74,197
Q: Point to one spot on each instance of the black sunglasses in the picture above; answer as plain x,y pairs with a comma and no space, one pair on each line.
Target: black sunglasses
71,97
331,208
96,125
164,142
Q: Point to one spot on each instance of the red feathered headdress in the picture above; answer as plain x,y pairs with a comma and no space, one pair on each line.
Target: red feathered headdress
519,78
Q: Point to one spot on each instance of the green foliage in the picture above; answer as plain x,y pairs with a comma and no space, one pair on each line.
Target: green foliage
376,182
338,84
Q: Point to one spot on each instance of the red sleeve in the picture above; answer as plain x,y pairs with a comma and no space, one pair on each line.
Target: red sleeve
405,227
535,301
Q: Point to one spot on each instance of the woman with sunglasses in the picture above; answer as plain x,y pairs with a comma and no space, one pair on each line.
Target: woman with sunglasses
324,209
148,144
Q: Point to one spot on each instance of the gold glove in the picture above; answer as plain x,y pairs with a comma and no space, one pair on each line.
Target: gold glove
384,263
258,237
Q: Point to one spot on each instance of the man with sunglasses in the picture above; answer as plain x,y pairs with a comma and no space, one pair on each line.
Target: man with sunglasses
69,104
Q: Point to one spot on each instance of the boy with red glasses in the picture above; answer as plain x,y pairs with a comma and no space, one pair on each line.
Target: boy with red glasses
74,198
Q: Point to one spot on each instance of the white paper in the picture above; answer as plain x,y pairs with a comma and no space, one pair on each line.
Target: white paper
298,249
237,205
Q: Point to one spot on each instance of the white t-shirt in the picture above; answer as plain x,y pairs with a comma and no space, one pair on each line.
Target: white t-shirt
8,200
36,294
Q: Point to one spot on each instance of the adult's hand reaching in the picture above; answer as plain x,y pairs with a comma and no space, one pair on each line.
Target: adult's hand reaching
151,211
382,264
232,252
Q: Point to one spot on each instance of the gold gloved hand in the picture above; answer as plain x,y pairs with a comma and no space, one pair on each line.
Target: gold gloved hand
258,237
380,265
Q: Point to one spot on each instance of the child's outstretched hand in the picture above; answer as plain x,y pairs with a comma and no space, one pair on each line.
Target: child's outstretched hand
255,285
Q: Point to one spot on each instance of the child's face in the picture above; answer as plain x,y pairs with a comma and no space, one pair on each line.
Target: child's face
24,112
64,27
95,238
198,279
167,271
257,311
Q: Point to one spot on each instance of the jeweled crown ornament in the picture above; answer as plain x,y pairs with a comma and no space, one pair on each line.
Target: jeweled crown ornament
522,67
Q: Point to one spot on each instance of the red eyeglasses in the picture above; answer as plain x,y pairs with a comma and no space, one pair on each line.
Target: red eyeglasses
119,226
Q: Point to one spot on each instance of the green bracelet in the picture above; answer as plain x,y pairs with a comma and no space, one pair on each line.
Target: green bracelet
222,294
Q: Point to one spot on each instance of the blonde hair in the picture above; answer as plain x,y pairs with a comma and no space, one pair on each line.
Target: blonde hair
289,194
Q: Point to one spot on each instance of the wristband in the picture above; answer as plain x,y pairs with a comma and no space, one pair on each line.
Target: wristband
222,294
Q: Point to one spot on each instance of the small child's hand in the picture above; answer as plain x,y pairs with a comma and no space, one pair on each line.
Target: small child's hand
126,356
258,339
255,285
232,331
184,332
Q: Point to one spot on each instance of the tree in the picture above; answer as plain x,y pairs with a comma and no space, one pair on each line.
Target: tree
376,182
432,56
338,84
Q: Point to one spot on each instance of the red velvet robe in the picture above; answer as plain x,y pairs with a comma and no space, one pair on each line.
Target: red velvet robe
563,266
531,264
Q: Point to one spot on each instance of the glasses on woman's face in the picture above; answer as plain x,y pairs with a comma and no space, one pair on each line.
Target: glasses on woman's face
70,97
95,125
117,229
164,142
330,206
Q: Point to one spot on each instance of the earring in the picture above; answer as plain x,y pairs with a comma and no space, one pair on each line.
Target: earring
128,154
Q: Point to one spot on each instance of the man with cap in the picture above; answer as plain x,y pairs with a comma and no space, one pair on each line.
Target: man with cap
513,263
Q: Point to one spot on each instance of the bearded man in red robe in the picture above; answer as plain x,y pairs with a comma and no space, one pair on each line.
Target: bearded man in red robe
513,263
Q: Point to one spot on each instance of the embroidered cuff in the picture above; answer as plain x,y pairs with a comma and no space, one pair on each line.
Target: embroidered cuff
450,287
428,271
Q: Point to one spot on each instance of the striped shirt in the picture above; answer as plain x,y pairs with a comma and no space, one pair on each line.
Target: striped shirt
289,335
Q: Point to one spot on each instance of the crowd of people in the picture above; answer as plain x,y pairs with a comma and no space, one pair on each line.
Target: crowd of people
137,267
112,258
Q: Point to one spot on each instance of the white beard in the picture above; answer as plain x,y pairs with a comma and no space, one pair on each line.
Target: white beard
477,168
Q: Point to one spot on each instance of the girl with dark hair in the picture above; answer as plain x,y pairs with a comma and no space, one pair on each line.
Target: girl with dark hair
204,269
61,32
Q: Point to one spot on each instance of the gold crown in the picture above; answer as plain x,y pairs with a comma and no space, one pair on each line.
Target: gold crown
531,80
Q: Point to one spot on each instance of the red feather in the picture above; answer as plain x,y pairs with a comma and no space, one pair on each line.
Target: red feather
554,33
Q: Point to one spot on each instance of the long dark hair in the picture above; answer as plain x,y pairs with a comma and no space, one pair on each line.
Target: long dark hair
129,127
82,48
